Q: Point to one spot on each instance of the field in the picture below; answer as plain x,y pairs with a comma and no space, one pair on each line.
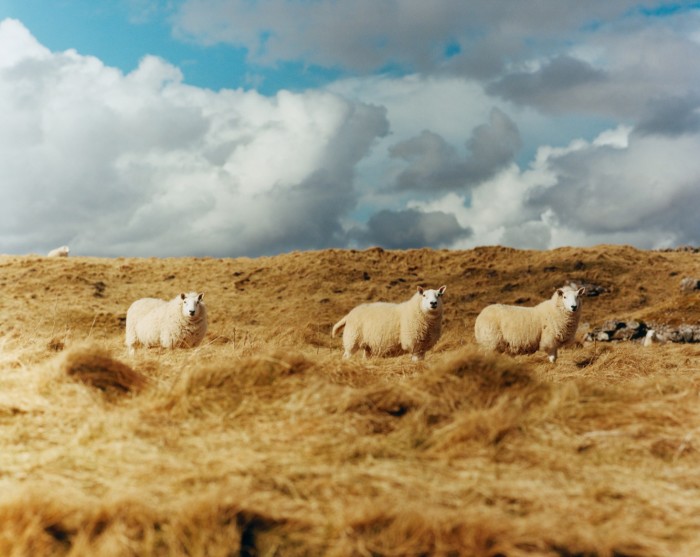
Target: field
263,441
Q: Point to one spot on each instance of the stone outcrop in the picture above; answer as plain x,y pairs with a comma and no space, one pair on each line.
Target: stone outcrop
690,284
616,330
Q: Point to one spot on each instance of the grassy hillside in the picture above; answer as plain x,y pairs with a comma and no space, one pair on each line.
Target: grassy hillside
263,441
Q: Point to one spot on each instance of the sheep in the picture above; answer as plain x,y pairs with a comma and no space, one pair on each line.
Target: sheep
654,337
63,251
525,330
650,338
388,329
181,322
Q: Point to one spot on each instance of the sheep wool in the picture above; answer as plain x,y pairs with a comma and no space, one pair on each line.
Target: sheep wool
181,322
652,338
62,251
388,329
525,330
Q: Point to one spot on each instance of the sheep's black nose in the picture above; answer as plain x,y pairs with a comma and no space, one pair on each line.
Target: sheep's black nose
433,304
191,312
573,307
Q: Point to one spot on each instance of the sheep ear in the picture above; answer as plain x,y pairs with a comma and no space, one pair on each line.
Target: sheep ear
201,295
420,290
441,290
560,292
182,295
581,291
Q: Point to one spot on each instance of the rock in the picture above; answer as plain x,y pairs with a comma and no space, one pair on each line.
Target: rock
688,248
592,290
618,330
689,284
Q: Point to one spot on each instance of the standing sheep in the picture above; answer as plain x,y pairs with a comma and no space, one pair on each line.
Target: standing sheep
525,330
386,329
181,322
652,338
62,251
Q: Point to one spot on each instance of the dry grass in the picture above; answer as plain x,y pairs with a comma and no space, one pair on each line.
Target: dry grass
263,441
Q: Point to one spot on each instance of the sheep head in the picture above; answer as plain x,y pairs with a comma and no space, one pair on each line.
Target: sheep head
569,298
192,304
431,300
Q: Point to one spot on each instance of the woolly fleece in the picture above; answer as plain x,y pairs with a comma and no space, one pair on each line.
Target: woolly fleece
525,330
181,322
388,329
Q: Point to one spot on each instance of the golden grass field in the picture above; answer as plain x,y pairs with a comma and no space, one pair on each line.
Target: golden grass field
263,441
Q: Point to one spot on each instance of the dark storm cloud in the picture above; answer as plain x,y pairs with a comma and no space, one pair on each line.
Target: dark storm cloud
306,216
549,87
478,37
433,164
671,116
411,229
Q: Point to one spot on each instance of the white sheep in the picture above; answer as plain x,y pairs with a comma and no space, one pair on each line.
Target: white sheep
653,337
63,251
525,330
387,329
181,322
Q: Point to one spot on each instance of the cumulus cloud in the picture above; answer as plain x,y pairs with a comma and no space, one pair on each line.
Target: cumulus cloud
642,189
622,72
142,163
626,61
551,86
672,116
410,228
553,76
365,35
622,187
487,129
433,164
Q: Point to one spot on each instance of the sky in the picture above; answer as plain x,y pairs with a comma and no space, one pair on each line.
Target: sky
230,128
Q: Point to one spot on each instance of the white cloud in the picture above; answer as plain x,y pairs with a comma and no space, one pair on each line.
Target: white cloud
367,35
17,43
619,188
143,164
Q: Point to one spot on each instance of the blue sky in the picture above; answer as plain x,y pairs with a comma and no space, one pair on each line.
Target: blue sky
239,127
120,33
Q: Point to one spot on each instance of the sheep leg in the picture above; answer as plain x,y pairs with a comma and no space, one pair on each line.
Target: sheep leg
130,338
418,356
130,341
552,355
350,349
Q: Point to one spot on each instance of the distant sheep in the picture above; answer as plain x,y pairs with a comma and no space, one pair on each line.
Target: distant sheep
386,329
525,330
181,322
63,251
652,338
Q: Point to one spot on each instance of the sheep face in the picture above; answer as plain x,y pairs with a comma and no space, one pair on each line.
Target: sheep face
191,304
431,300
569,298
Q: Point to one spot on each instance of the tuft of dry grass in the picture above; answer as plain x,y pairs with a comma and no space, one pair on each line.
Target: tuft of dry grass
94,366
264,441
